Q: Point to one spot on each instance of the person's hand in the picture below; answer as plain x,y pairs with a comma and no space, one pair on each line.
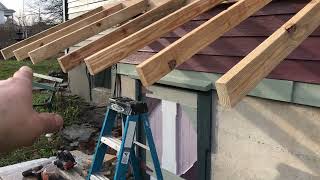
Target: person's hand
20,125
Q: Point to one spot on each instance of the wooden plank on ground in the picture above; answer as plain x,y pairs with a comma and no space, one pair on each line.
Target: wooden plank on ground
114,53
75,37
175,54
244,76
50,78
8,51
22,53
74,58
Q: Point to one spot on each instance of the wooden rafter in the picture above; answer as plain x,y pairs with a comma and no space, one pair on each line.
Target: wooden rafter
8,51
90,30
74,58
22,53
244,76
116,52
183,49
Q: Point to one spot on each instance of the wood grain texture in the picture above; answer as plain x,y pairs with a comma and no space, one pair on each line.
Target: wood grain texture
165,61
244,76
22,53
114,53
8,51
74,58
75,37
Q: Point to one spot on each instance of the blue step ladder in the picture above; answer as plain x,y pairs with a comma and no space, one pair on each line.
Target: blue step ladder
132,111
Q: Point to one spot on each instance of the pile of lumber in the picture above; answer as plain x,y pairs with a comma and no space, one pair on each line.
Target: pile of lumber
137,23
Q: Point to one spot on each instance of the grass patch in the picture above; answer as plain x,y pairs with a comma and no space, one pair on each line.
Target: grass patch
9,67
40,149
69,107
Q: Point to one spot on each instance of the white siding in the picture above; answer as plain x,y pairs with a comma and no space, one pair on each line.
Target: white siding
78,7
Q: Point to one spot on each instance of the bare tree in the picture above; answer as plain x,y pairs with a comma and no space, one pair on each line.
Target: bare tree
34,11
45,11
53,10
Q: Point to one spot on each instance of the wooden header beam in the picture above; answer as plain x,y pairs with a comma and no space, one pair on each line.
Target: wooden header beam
165,61
116,52
22,53
8,51
75,37
74,58
244,76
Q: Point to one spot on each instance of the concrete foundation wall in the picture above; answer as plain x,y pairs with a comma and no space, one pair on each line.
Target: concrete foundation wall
266,140
79,83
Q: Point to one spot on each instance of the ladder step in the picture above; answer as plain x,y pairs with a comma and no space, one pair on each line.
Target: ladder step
98,177
115,143
112,142
141,145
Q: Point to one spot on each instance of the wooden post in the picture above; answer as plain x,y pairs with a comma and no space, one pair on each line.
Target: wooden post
204,133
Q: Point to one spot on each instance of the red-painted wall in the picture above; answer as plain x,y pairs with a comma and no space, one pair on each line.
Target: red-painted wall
302,65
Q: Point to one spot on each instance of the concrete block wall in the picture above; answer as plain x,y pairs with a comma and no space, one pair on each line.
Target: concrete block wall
79,83
266,140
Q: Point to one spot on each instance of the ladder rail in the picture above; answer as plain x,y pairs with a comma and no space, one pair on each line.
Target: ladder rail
101,148
152,146
125,153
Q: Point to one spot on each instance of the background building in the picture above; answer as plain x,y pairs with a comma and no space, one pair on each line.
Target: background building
5,13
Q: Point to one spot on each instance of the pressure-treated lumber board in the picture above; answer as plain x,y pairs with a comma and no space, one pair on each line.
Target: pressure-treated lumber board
22,53
175,54
114,53
75,37
244,76
8,51
50,78
74,58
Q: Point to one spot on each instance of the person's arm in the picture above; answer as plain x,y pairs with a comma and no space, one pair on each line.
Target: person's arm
20,125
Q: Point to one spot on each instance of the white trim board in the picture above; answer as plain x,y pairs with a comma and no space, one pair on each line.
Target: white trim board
169,136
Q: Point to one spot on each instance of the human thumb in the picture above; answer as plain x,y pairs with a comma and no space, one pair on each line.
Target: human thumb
25,73
50,122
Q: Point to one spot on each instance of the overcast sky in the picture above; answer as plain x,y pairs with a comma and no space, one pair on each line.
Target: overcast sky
14,4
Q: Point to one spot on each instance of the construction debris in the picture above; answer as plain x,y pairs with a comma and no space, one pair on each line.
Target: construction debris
82,136
78,171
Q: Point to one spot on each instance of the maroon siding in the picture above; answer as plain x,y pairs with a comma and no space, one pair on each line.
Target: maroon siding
301,65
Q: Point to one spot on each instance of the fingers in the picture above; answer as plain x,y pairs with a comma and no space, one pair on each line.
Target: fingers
24,73
49,122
